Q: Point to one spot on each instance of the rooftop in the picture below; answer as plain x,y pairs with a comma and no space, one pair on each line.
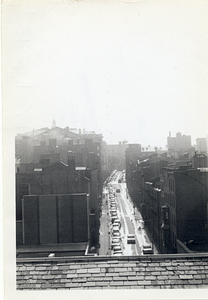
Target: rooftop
170,271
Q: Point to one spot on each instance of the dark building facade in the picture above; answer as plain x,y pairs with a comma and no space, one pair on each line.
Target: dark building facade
61,161
55,219
172,195
186,198
60,178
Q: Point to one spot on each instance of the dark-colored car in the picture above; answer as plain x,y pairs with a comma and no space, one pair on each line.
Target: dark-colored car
131,239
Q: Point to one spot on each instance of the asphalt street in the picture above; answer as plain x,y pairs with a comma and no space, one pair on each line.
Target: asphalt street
130,218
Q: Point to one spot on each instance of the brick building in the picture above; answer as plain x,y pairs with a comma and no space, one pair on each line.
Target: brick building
60,178
54,144
185,193
172,196
55,219
133,154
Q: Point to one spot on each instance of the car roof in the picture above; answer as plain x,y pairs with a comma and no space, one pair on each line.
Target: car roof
147,246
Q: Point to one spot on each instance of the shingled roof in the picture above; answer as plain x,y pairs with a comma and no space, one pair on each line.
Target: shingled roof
102,272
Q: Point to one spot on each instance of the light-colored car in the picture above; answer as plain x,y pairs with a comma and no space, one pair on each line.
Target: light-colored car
113,209
116,235
147,249
118,253
114,214
117,222
115,242
112,202
114,218
115,229
117,250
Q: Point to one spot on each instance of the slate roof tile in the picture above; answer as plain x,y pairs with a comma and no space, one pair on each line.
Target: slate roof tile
106,272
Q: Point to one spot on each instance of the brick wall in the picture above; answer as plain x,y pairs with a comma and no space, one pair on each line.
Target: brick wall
51,219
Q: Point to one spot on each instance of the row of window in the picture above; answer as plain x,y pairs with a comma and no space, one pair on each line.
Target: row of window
171,200
172,184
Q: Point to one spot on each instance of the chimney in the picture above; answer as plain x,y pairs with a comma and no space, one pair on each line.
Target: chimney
71,161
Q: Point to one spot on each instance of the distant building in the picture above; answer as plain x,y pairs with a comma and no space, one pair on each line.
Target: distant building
116,156
202,145
149,151
179,145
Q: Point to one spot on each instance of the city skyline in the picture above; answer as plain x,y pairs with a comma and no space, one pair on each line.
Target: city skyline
29,131
131,71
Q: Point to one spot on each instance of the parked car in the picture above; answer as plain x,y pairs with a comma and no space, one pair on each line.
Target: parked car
118,223
118,253
115,229
114,214
113,218
116,220
147,249
116,235
117,249
115,242
131,239
118,191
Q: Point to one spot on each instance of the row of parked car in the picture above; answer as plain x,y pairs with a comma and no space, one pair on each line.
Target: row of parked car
115,226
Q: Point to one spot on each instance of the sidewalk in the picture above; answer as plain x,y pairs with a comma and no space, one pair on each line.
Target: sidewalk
104,229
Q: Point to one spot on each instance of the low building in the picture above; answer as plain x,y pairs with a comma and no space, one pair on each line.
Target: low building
52,220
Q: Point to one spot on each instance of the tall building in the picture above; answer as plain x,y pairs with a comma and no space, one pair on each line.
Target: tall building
202,145
179,145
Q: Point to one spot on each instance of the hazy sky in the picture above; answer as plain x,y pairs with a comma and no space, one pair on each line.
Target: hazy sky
131,71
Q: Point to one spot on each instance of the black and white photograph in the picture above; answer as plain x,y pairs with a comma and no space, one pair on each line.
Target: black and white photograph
105,149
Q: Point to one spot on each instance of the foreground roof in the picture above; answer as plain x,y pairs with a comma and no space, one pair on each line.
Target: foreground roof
102,272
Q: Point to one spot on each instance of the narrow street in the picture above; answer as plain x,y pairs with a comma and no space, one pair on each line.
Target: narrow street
130,219
104,227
